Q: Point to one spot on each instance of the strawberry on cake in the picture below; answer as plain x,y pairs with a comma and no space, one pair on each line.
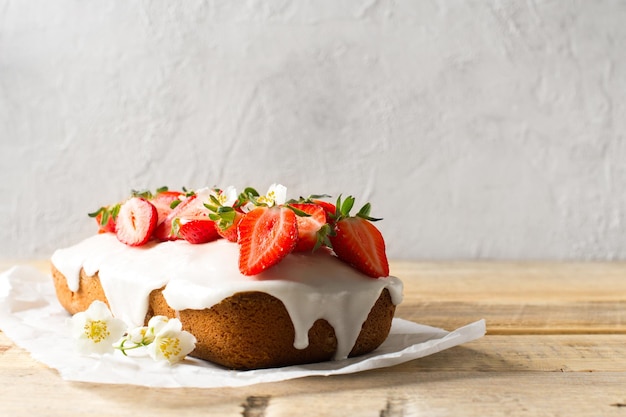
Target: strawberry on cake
258,280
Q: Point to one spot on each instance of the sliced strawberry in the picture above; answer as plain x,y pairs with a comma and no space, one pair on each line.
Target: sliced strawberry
136,221
359,243
309,226
163,202
190,207
197,230
230,232
266,236
329,208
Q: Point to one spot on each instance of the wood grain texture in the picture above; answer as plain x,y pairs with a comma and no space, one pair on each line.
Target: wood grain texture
555,346
516,298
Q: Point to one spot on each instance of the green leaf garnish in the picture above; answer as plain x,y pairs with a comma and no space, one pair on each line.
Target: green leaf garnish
342,210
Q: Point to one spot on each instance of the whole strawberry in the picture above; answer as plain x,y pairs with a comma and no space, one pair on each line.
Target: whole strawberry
356,241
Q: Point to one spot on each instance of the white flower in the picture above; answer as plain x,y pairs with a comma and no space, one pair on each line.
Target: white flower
227,197
141,336
276,196
95,329
171,343
138,335
155,325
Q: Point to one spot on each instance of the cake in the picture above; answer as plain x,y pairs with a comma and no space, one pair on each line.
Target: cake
259,281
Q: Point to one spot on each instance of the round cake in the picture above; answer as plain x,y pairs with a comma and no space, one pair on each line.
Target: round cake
306,306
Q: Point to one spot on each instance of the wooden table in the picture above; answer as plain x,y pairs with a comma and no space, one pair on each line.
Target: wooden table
555,345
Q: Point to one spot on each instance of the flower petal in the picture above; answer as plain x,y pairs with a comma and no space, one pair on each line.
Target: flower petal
98,311
96,330
172,345
156,323
229,196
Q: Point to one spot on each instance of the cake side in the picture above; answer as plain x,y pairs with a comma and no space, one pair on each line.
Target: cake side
247,330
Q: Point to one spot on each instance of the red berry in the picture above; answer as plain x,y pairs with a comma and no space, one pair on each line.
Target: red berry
197,230
105,217
190,207
329,208
266,236
360,244
163,202
230,233
309,226
108,227
136,221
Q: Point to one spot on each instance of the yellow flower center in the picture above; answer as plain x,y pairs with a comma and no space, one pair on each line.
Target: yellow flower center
268,199
222,198
170,347
97,330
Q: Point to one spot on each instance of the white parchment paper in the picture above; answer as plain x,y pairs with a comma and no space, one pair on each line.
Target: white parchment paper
32,317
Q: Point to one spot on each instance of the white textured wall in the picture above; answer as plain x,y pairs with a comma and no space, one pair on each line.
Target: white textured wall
478,129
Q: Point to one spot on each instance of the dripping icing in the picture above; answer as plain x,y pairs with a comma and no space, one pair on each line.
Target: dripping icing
311,286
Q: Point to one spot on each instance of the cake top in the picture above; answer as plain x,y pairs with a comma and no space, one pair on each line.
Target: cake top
266,228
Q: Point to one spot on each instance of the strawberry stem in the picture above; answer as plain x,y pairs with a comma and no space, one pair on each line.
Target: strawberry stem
297,211
342,210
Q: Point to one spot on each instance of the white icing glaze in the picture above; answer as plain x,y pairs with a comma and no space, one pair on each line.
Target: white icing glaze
311,286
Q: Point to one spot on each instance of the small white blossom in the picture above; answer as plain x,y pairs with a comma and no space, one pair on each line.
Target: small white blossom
155,324
227,197
95,329
171,343
276,196
139,335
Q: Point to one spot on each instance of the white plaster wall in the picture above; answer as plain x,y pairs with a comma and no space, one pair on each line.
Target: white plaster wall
477,129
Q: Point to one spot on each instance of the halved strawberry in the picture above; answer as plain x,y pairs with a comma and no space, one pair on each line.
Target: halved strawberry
266,236
136,221
358,242
196,230
309,226
189,207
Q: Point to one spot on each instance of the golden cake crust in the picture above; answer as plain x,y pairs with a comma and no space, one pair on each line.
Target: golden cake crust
248,330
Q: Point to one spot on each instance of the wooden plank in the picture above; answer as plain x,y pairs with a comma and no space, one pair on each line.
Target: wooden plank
516,298
382,393
512,282
581,317
543,353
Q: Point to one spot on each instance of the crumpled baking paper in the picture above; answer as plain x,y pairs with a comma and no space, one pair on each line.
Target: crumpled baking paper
32,317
